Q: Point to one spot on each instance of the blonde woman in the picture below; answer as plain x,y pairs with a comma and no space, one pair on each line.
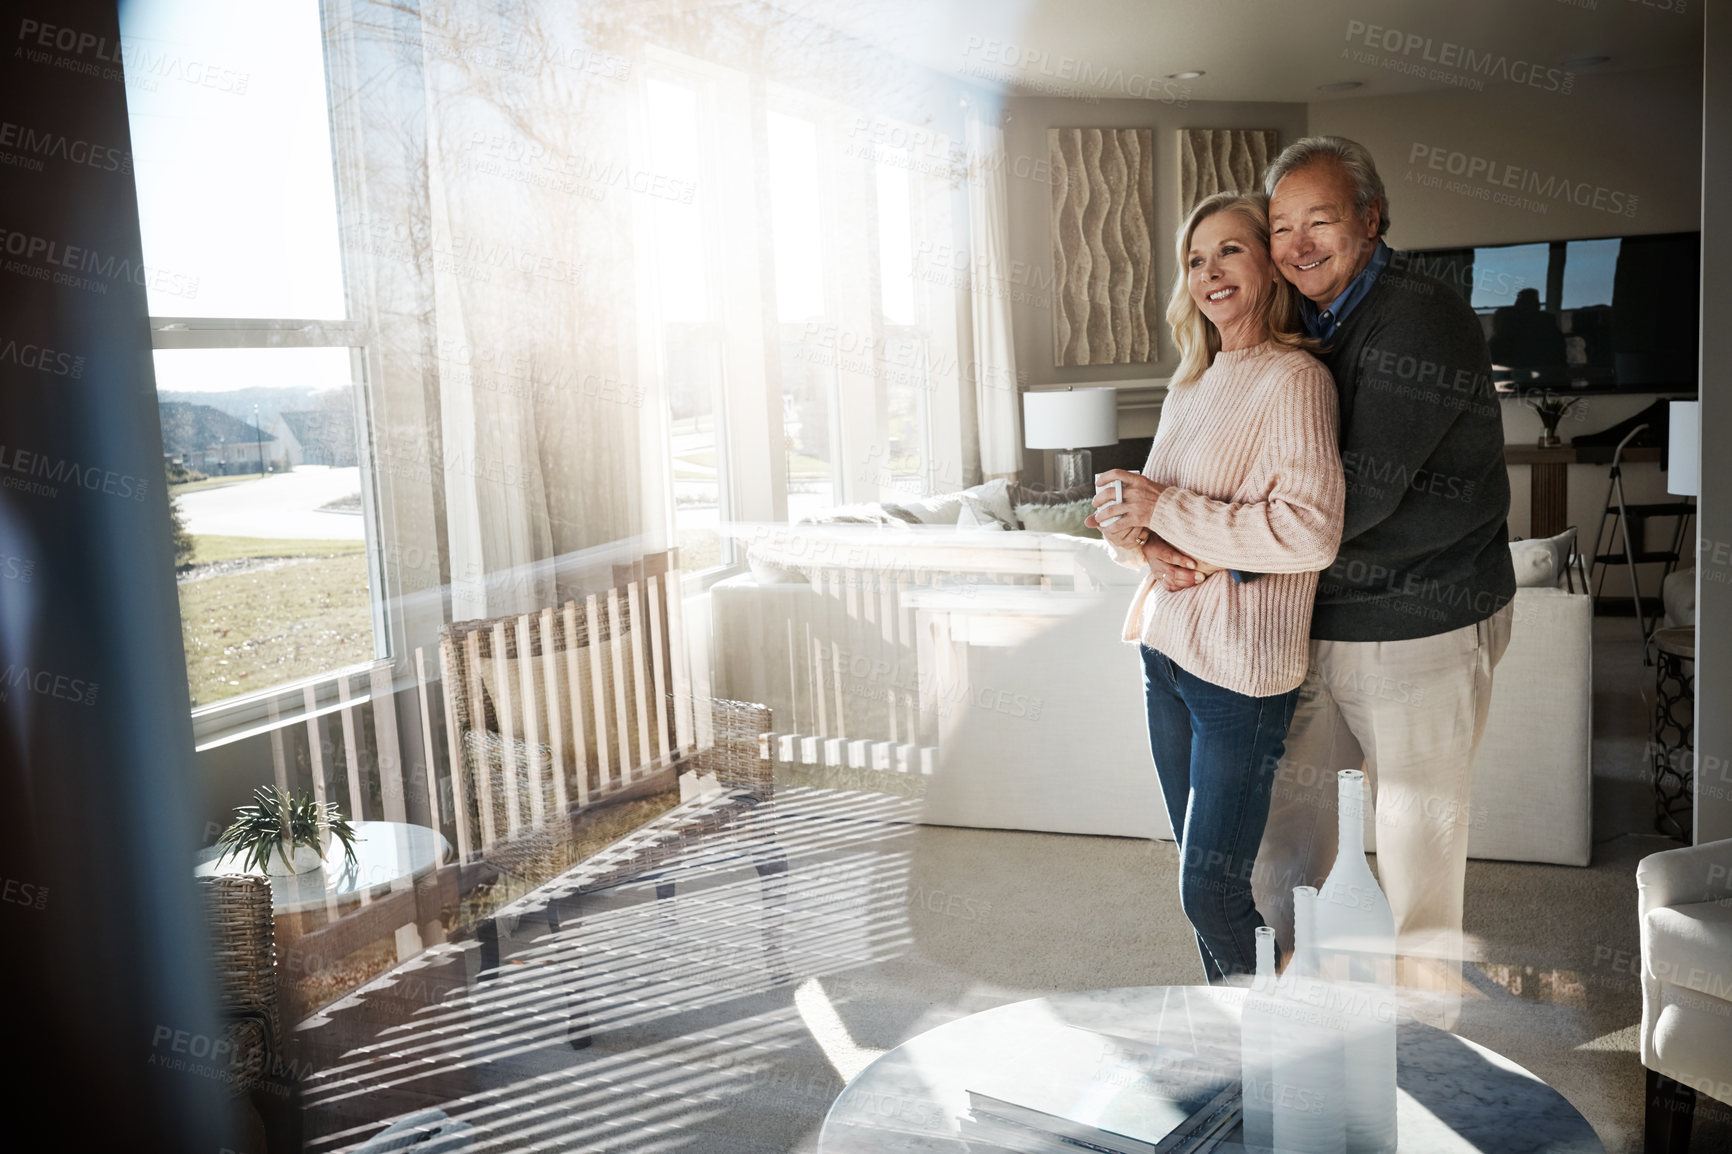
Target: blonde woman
1245,477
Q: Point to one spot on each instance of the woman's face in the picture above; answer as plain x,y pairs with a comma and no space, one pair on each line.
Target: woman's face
1230,275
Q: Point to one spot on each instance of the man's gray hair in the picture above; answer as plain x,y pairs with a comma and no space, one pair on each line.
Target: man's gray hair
1353,157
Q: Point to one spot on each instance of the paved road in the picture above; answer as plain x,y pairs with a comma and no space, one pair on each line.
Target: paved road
283,505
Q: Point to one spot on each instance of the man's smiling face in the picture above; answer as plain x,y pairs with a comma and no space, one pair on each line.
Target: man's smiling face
1318,241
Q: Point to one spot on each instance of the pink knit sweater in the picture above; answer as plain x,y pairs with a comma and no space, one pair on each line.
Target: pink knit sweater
1250,451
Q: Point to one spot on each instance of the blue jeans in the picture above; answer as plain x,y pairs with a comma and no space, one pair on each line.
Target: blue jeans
1216,752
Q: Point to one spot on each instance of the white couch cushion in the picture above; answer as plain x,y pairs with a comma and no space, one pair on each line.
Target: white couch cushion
1691,946
941,509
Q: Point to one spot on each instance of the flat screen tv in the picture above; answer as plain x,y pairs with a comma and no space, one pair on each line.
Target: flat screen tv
1615,314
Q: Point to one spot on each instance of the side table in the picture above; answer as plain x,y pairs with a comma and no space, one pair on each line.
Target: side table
1672,739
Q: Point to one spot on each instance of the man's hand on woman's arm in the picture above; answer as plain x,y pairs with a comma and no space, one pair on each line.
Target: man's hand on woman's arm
1172,569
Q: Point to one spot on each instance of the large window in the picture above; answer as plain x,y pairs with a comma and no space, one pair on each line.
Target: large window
260,380
690,349
809,355
858,367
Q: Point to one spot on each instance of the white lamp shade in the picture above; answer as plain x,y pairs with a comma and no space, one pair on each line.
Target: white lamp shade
1684,450
1070,418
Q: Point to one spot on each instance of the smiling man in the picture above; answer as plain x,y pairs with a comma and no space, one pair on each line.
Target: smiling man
1414,613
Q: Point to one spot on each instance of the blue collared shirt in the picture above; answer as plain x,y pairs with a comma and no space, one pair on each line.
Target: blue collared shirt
1322,323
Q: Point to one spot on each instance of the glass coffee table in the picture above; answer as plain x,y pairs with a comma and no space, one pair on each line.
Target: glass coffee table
1453,1095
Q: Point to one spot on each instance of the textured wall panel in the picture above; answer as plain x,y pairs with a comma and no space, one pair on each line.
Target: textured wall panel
1215,160
1103,216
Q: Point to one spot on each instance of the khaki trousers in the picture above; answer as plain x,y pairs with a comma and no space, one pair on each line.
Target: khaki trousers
1411,714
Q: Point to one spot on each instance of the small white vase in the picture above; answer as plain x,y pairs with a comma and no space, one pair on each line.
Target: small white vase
302,859
1309,1106
1257,1028
1355,938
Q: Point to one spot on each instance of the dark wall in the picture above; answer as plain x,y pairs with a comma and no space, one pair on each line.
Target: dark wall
101,948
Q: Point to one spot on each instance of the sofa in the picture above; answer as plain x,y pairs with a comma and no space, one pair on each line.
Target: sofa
991,655
1684,903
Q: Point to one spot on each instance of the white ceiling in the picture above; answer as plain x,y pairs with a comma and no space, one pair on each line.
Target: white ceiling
1253,50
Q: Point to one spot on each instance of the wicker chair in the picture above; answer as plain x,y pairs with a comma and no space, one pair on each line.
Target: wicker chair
243,949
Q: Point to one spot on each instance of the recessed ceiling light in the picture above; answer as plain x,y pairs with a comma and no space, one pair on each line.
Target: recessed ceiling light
1341,86
1192,75
1587,60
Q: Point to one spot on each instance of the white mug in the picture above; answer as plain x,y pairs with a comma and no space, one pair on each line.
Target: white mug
1118,488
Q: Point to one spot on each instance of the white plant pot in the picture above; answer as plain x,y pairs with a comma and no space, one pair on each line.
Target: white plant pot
303,859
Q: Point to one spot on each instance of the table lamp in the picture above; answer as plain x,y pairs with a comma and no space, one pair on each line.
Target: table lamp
1684,449
1069,420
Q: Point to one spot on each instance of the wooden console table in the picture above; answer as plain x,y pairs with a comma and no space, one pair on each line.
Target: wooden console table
1550,483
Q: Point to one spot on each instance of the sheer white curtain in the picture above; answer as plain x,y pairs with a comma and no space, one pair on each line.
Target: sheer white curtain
517,213
997,401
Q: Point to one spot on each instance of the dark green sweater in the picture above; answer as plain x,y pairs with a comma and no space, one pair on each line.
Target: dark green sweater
1425,543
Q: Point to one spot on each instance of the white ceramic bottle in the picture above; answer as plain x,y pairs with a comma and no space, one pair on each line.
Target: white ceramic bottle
1257,1026
1308,1107
1355,936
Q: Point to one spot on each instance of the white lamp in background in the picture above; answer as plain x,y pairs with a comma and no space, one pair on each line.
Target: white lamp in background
1070,420
1684,449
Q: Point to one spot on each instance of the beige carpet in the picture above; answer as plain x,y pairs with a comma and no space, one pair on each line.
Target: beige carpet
721,1002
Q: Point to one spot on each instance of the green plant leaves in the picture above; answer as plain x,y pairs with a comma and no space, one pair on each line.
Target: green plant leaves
277,822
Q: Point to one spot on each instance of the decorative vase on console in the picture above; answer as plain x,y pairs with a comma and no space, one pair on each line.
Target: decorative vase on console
1355,939
1551,412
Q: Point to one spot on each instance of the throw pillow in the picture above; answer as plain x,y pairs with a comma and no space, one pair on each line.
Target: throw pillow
937,510
995,496
1540,563
1021,495
1066,518
976,515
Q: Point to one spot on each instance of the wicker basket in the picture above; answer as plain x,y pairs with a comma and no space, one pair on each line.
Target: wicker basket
243,950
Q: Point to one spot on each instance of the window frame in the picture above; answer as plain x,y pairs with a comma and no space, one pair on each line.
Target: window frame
245,715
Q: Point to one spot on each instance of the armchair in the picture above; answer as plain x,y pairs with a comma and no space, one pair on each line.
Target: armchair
1684,901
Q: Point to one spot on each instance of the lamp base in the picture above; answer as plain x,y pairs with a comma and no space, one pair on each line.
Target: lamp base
1073,467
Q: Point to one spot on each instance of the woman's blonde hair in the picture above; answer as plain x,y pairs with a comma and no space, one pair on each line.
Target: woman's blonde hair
1195,334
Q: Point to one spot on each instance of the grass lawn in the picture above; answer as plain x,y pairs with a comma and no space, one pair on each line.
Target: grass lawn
251,630
233,548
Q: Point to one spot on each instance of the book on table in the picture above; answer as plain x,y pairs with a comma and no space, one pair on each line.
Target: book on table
1106,1093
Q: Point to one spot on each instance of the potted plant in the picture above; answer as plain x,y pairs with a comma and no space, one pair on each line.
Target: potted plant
1551,410
285,835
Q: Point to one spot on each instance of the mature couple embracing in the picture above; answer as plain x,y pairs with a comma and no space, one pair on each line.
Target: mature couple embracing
1296,619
